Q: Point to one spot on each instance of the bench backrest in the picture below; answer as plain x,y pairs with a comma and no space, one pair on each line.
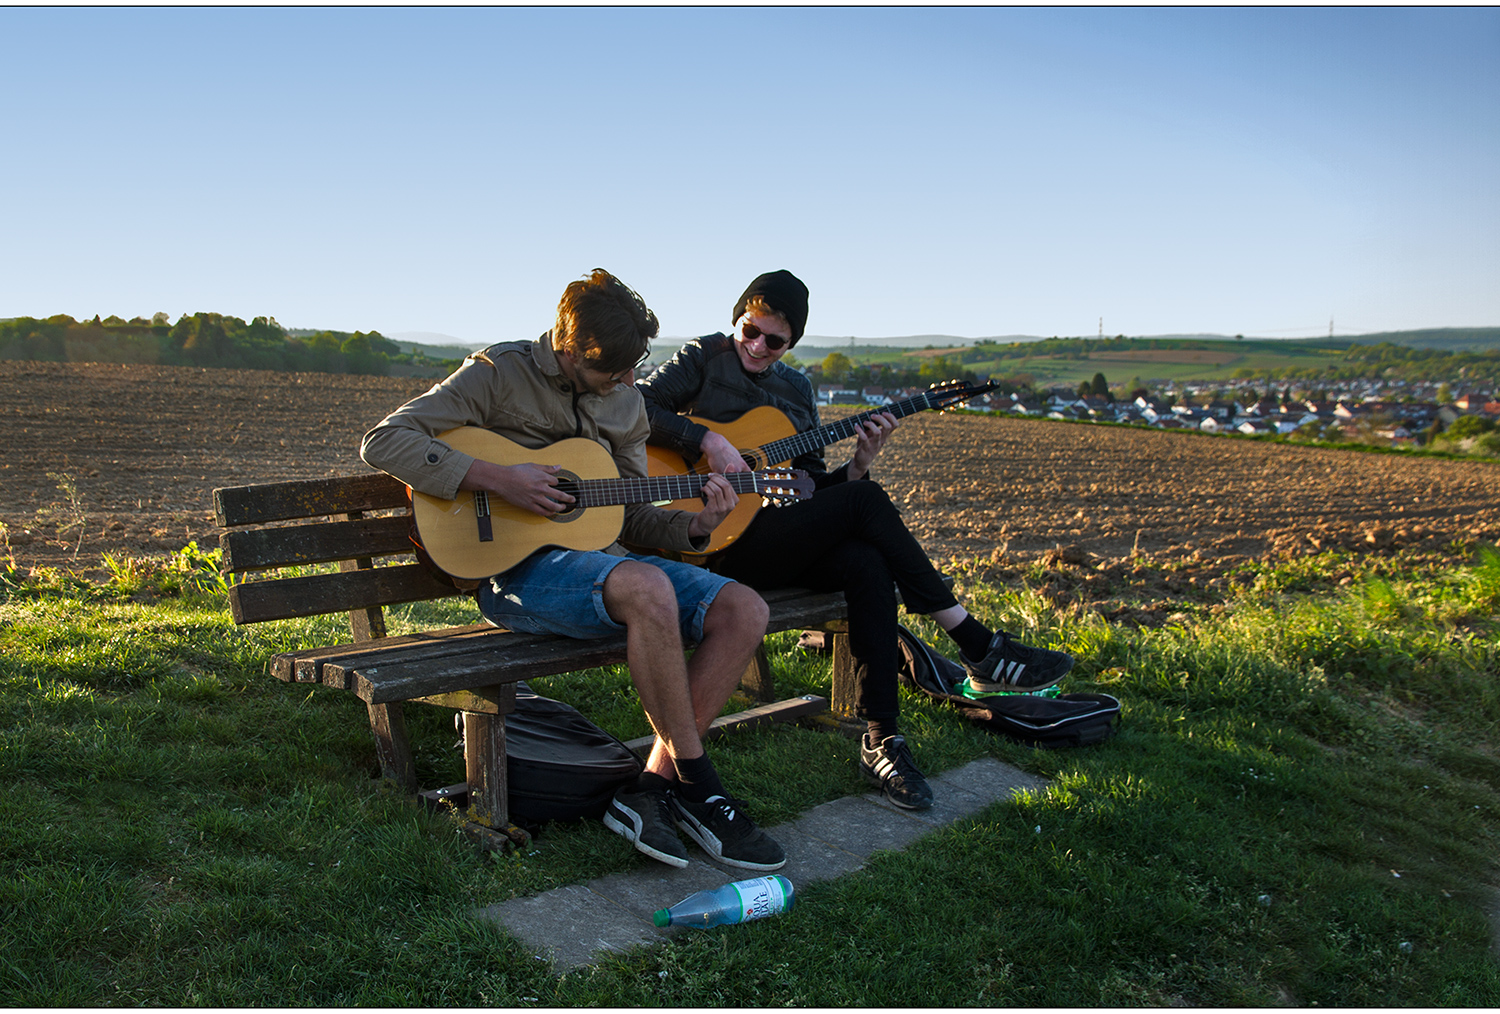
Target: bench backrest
287,524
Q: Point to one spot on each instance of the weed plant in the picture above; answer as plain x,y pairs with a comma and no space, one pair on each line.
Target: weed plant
1302,806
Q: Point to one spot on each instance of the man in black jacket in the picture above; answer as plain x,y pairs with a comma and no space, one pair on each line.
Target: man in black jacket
849,537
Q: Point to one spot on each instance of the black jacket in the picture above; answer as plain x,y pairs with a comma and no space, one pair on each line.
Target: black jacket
705,379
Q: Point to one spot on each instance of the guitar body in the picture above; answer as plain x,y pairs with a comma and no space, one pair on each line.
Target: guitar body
448,527
749,433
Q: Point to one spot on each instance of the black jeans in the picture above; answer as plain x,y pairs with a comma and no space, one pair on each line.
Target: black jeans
850,538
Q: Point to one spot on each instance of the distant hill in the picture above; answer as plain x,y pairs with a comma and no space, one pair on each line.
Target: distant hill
1448,339
435,345
1451,339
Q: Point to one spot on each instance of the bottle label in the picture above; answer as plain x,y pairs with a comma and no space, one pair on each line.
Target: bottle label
760,897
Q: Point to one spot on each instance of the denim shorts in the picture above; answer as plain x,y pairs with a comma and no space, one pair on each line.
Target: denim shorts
561,591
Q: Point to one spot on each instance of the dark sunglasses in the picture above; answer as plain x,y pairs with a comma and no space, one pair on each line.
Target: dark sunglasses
774,342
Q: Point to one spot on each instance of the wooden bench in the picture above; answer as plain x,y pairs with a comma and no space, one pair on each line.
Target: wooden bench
355,521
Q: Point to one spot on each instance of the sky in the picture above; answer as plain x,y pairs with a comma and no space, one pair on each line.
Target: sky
958,171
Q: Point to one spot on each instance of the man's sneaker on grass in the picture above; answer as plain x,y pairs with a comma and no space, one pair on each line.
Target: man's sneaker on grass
888,766
645,820
1010,666
726,833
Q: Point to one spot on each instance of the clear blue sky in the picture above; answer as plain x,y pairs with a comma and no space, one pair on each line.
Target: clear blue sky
959,171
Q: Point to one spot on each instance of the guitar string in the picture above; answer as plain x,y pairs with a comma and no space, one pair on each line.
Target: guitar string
650,489
789,447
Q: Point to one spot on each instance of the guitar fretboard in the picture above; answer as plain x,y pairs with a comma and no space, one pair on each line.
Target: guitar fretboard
646,489
788,448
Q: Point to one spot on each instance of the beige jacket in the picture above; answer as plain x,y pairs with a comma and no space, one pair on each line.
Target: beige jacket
518,390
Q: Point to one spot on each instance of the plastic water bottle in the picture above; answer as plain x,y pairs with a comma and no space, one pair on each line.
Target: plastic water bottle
740,901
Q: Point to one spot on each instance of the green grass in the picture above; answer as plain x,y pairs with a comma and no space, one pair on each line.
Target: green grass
1302,806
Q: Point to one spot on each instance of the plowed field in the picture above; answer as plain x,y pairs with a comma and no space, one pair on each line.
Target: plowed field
143,447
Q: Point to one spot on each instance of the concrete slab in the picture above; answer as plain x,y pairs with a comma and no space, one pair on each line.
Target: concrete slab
989,778
571,926
652,885
809,858
856,825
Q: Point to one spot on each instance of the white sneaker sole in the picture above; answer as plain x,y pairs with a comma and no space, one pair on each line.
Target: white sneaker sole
633,835
709,842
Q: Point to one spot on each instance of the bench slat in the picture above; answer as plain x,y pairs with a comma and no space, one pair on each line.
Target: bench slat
504,659
804,609
306,498
338,671
264,548
285,598
305,664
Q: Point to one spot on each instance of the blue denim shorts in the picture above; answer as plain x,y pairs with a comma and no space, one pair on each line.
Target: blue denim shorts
561,591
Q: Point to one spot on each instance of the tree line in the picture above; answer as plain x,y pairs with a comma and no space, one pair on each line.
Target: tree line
205,339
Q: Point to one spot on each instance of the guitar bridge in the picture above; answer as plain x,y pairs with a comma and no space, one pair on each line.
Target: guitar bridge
482,516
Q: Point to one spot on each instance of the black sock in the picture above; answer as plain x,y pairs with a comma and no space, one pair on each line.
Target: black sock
880,729
973,638
697,779
650,781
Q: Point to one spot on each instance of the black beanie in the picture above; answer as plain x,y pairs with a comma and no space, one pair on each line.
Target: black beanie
784,293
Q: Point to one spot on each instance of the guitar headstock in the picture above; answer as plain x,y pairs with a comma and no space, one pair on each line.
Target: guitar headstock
782,486
951,392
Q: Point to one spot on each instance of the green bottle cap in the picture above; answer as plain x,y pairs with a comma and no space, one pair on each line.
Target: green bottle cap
662,917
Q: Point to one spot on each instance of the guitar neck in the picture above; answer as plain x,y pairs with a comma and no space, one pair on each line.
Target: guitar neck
788,448
646,489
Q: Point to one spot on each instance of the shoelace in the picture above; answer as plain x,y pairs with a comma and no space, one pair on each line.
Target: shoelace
729,807
901,757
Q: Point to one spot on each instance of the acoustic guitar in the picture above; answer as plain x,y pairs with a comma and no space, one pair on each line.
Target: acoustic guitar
765,437
477,535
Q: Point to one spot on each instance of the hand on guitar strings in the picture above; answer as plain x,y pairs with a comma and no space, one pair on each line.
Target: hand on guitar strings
719,498
529,486
871,437
721,454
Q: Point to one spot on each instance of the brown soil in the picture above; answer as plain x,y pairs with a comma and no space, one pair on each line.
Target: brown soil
144,446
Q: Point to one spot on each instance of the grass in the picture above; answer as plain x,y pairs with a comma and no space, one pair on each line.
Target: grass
1302,806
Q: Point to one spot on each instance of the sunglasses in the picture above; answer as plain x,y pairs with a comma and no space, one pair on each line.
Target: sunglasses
774,342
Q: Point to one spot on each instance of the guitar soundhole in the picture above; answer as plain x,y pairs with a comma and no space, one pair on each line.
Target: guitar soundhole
572,511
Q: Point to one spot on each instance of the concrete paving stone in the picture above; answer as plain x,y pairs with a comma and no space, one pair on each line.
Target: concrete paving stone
859,826
949,804
965,791
990,779
809,859
653,885
570,925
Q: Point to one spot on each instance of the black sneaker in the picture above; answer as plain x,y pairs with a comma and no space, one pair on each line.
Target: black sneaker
726,833
888,766
1010,666
645,820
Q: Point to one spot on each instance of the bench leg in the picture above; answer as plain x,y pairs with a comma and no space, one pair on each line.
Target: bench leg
485,768
758,681
845,687
392,746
